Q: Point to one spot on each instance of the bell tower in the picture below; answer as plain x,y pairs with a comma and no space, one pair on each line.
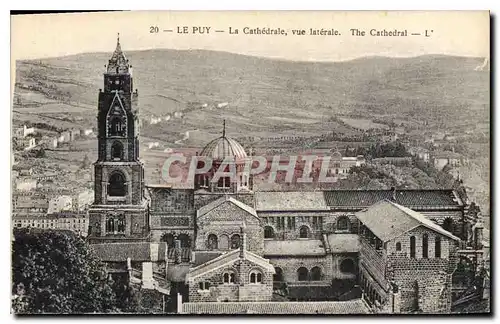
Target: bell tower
119,211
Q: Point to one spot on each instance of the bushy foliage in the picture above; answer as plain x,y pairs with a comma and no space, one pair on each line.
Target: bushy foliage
55,272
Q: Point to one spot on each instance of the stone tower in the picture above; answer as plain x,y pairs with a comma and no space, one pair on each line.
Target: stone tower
120,209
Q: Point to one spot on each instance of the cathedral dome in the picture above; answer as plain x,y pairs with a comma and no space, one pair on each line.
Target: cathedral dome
223,147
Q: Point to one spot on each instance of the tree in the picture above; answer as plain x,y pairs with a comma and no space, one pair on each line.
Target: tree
55,272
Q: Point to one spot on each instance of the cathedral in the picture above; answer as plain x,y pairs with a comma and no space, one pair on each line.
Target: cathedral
222,244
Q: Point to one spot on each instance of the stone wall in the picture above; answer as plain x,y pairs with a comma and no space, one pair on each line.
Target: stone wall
424,283
287,225
240,290
290,265
224,222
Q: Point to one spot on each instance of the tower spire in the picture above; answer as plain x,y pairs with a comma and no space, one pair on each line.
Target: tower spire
118,39
224,128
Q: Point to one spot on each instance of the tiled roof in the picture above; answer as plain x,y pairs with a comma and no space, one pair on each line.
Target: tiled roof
343,243
216,203
356,306
388,220
201,257
289,200
410,198
226,259
293,247
141,251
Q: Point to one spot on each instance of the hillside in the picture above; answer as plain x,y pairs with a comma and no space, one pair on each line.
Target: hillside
192,91
264,97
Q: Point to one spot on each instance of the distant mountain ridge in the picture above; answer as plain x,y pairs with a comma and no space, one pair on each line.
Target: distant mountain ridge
268,96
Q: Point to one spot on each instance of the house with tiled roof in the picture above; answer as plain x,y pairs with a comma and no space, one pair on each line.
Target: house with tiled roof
136,262
406,261
235,276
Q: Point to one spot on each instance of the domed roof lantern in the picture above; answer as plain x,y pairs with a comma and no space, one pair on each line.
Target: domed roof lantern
223,147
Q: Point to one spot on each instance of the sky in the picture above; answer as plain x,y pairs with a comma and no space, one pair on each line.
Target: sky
459,33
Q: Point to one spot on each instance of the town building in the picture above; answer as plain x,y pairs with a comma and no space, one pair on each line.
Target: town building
231,249
24,131
447,158
75,222
60,203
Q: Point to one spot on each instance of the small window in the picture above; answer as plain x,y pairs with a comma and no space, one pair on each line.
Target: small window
398,246
304,232
437,247
268,232
235,241
302,274
229,277
412,247
204,285
316,274
212,243
255,277
425,246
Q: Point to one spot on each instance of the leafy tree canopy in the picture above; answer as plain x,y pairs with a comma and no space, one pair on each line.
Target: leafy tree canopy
57,272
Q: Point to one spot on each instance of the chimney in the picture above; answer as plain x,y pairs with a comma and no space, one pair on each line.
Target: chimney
243,241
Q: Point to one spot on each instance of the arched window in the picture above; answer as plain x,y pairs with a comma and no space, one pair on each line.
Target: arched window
235,241
117,185
343,223
223,242
316,274
398,246
278,275
110,225
115,225
117,151
268,232
120,225
448,225
255,277
168,238
425,246
116,126
228,277
304,232
302,274
437,246
348,266
224,182
412,247
212,243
